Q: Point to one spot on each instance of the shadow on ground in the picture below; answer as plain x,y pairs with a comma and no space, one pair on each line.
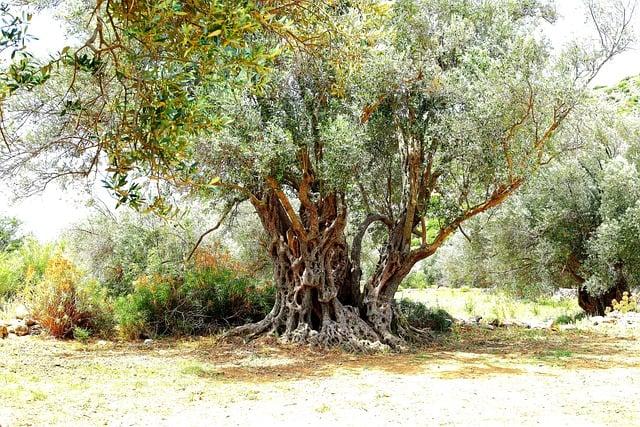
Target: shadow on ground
468,352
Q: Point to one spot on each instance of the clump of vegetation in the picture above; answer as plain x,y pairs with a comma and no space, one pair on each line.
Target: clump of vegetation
81,334
569,319
626,304
564,319
415,280
419,316
23,267
11,237
214,292
60,303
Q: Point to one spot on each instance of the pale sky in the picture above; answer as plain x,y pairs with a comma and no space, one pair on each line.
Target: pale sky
48,214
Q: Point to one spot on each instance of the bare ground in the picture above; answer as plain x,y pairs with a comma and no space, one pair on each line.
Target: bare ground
473,377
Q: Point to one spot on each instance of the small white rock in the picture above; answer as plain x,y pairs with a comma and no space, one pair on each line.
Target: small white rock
21,312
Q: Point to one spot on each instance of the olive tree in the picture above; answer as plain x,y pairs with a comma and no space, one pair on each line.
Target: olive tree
11,237
576,223
406,118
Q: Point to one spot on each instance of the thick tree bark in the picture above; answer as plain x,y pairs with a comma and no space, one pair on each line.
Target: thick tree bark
316,302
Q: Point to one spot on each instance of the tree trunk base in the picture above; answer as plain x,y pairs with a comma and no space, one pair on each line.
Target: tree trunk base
349,332
346,330
596,305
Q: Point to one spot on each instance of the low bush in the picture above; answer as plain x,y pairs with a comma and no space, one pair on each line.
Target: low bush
564,319
23,267
567,319
415,280
63,301
223,296
81,334
206,298
420,316
151,309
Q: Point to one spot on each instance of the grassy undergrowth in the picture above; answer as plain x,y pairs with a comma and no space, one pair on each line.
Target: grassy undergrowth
465,303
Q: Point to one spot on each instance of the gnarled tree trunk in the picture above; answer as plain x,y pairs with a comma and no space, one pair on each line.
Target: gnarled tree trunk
315,301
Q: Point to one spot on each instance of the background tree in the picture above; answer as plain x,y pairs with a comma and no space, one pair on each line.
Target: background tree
575,224
10,236
414,116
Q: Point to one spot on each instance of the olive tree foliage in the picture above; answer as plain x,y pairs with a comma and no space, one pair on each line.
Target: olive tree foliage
11,237
136,92
576,223
403,120
118,249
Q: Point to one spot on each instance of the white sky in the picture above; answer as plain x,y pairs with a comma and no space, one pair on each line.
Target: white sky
48,214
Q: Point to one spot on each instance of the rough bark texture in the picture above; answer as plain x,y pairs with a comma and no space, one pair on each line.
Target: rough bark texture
316,302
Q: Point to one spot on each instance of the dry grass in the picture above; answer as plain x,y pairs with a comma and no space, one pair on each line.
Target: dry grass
471,374
48,382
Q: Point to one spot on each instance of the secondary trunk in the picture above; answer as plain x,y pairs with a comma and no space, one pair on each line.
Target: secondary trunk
378,301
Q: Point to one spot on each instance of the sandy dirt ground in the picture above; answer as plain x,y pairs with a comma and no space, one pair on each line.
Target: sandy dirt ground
473,377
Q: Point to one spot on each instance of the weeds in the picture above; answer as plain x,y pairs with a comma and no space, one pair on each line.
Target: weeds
470,306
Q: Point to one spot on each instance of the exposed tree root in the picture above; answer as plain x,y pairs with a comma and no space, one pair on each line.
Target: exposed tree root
348,331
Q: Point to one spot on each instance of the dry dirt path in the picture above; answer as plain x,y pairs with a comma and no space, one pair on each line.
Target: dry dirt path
474,377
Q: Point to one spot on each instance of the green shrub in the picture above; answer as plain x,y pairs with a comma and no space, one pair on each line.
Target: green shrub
205,299
150,310
23,268
131,321
222,296
415,280
563,319
11,238
95,301
81,334
566,319
420,316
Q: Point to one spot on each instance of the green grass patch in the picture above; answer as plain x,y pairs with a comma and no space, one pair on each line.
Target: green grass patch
556,354
491,304
200,370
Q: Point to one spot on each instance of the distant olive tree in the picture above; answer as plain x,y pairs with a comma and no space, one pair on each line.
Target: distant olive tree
11,237
577,224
